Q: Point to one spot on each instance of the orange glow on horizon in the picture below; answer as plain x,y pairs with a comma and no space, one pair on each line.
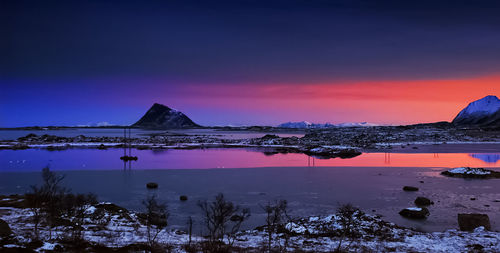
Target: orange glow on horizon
385,102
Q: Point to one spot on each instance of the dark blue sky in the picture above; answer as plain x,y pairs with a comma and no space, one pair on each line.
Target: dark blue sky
75,62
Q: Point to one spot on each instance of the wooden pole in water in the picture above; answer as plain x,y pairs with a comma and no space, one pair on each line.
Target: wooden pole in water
124,141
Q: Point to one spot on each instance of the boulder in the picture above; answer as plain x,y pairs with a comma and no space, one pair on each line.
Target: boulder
112,208
151,185
423,201
410,188
4,229
415,212
470,221
183,198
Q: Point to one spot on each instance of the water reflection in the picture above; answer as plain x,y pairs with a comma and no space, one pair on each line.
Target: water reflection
488,158
93,159
127,145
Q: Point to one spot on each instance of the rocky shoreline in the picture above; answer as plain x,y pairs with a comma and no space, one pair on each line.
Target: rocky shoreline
110,228
323,143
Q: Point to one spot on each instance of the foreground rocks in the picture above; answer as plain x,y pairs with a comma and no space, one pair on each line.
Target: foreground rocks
111,228
468,222
4,229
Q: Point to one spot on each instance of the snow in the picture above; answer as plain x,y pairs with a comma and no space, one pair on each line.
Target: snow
48,246
301,124
417,209
375,235
479,229
469,171
90,210
10,246
356,124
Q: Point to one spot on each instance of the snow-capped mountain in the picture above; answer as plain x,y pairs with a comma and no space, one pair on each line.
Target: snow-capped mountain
301,124
160,117
305,124
356,124
482,112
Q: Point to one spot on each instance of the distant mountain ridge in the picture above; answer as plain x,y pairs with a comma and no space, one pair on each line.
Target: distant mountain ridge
162,117
306,124
482,112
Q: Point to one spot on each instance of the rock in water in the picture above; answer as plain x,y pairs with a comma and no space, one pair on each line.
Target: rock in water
423,201
467,172
415,212
4,229
482,112
410,188
151,185
470,221
163,117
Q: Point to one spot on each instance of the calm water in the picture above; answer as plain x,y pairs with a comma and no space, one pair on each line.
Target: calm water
97,132
372,181
93,159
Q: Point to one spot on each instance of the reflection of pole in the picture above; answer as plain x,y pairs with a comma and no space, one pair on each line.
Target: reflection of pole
130,143
127,144
124,141
387,158
314,163
308,161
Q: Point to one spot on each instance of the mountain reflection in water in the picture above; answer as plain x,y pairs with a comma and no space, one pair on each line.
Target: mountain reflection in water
488,158
94,159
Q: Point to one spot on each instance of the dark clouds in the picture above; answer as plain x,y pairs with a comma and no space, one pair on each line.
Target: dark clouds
249,41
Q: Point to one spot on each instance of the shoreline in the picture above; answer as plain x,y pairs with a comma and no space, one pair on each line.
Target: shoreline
328,142
116,228
409,147
311,190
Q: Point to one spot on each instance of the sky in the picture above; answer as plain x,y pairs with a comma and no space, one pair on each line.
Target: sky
245,62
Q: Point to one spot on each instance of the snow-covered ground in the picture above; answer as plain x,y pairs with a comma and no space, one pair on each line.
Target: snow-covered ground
317,234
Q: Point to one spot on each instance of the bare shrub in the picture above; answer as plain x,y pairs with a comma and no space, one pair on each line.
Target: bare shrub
75,207
349,220
222,220
35,200
45,201
276,216
156,218
54,204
